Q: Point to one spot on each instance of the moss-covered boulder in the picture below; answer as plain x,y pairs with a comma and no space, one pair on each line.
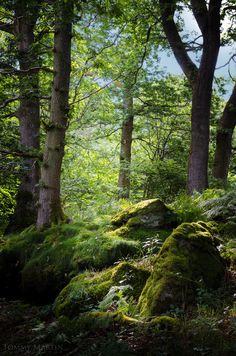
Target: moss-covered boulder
151,213
187,260
40,264
88,289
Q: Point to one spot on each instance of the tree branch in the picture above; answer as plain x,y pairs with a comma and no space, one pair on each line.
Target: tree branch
143,56
178,47
22,154
8,101
6,27
200,13
26,71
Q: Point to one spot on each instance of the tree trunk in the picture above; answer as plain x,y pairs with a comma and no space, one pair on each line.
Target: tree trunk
125,146
50,210
28,113
201,101
200,116
224,140
207,16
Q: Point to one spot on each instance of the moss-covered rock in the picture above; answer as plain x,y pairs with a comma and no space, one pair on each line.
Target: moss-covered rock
15,251
188,259
85,291
42,263
151,213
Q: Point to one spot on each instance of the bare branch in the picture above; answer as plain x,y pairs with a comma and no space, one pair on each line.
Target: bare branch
144,55
228,62
8,101
95,91
176,43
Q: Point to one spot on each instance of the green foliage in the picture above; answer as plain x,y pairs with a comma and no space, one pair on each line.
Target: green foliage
115,299
221,208
187,208
6,207
194,207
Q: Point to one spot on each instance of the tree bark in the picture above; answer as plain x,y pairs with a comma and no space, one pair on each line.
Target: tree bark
224,140
201,79
126,145
28,114
202,93
50,210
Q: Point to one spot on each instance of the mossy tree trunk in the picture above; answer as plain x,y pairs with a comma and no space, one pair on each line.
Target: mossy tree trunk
25,17
50,209
126,144
224,140
208,19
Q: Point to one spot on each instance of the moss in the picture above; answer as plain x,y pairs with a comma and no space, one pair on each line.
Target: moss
151,213
94,321
164,322
42,263
86,290
140,233
15,250
188,258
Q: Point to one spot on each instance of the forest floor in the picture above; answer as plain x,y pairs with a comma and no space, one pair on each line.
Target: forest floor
33,330
19,329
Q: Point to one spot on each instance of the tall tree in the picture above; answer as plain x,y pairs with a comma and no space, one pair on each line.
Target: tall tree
126,144
28,113
227,121
224,135
207,15
50,209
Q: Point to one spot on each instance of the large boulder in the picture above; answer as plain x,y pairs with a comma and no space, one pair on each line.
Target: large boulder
37,265
188,260
151,213
87,290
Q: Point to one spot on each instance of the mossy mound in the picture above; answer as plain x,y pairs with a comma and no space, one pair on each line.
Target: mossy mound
42,263
187,260
151,213
87,290
15,251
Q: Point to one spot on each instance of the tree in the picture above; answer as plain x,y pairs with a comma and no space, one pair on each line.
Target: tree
50,209
126,144
227,121
28,113
224,139
207,15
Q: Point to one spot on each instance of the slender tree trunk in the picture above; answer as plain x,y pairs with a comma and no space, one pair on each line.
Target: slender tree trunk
224,140
50,210
125,145
28,113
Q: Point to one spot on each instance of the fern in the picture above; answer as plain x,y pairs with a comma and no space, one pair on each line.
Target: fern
222,208
115,299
